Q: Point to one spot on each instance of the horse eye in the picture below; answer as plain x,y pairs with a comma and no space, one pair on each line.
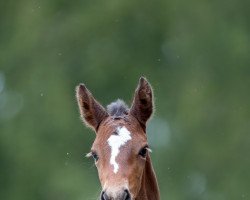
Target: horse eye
143,152
95,156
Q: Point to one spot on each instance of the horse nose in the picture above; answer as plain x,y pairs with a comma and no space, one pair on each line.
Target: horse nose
104,196
124,195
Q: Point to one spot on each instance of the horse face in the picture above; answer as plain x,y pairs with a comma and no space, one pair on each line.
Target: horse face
120,150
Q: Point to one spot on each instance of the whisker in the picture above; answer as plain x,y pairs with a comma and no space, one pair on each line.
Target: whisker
88,155
149,150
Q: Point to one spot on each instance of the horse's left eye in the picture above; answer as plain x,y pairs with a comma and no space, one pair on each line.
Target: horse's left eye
143,152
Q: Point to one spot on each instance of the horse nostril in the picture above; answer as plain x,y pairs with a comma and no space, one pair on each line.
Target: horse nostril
121,196
104,196
126,195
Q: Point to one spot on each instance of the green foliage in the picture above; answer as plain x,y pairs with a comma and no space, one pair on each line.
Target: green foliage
194,53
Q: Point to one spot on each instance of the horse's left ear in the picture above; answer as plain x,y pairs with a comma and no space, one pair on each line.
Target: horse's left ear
143,105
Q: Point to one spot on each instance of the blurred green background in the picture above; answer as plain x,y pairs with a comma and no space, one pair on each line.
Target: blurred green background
194,53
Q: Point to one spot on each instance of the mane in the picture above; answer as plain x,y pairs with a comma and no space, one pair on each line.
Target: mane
117,108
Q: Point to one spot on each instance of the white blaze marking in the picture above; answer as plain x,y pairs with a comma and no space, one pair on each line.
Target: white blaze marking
115,142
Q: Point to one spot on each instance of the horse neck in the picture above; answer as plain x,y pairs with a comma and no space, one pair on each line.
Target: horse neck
149,187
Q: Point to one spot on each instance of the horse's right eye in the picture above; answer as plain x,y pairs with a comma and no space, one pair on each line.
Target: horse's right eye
95,156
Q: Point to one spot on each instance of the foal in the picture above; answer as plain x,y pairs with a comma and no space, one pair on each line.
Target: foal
120,149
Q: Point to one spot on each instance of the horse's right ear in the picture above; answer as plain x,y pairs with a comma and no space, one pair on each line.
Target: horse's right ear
92,112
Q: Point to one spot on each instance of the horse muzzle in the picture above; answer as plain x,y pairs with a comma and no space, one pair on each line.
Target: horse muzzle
116,195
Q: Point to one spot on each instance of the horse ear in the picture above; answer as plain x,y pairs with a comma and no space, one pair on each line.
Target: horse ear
142,106
92,112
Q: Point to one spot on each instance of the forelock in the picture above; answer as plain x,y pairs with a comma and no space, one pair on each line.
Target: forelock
117,108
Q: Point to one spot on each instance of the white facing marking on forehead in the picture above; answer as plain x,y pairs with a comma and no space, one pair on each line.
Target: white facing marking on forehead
115,142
